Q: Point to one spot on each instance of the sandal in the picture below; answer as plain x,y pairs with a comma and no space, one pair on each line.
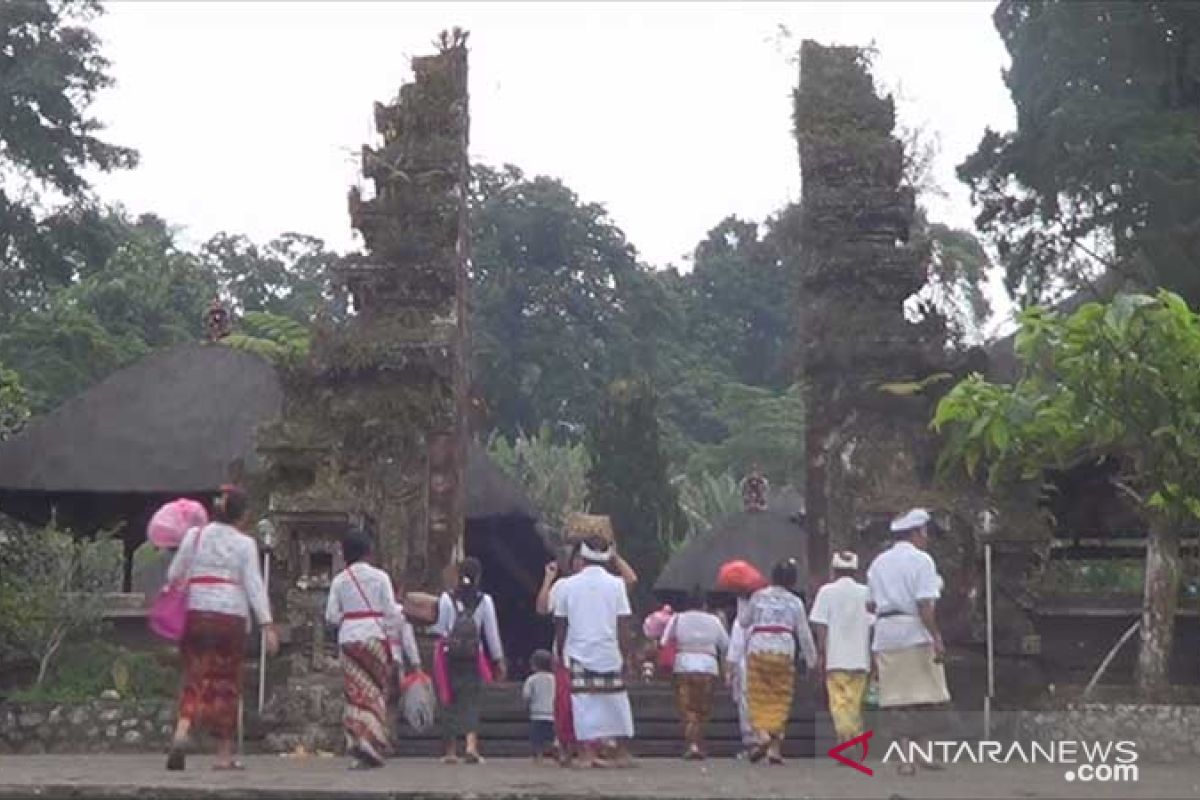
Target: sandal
231,766
365,757
757,753
473,758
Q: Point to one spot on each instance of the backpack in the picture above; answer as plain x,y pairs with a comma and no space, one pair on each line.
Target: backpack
462,643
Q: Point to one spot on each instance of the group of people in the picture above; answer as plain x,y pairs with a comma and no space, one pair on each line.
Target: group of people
577,696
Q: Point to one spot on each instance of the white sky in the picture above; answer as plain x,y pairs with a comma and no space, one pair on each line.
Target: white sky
249,116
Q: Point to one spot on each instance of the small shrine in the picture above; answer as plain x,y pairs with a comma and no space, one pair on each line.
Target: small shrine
755,491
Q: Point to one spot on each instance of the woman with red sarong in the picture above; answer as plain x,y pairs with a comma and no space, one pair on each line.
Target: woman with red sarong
221,567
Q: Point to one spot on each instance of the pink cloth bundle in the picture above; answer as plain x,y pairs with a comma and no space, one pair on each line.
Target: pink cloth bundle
656,624
169,524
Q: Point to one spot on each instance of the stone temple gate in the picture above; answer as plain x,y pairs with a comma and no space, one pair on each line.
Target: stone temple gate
373,426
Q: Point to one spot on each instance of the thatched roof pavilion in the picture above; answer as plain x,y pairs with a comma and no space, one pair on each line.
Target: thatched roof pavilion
761,537
180,422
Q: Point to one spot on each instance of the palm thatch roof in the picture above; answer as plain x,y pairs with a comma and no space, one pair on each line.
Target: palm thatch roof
178,421
491,492
181,421
761,537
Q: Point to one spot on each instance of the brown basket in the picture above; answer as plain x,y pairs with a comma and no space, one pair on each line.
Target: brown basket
582,526
420,608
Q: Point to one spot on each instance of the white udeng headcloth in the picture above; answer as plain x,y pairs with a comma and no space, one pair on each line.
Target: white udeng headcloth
594,556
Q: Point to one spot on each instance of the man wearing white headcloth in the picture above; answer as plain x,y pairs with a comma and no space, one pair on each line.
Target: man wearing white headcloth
904,587
591,621
842,625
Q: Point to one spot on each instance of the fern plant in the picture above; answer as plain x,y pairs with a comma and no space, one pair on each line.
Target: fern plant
275,337
553,474
705,499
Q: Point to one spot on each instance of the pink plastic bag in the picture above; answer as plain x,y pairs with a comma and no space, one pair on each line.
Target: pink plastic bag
169,524
168,614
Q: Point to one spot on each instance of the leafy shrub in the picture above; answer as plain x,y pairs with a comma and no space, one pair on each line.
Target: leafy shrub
87,669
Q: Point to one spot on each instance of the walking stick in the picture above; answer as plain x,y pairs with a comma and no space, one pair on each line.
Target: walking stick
266,531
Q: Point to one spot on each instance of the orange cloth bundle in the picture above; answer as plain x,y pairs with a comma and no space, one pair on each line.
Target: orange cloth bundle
740,577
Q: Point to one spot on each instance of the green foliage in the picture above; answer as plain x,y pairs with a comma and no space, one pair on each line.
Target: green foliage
48,586
1110,379
14,404
1125,576
705,499
88,668
553,283
957,266
739,300
628,478
1103,158
286,277
554,474
280,339
145,294
763,426
49,142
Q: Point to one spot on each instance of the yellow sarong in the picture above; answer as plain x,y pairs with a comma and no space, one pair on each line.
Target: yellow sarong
846,690
771,679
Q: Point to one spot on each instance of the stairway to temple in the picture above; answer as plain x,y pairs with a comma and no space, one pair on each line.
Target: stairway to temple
310,717
505,728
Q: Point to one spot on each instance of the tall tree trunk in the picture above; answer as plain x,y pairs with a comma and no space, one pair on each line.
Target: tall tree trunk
1163,569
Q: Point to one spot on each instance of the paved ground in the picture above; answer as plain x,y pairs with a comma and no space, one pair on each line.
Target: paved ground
271,777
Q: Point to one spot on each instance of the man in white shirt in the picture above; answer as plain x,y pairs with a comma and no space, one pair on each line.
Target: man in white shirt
842,626
904,587
591,620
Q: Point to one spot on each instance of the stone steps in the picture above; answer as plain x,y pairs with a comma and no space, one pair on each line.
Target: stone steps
314,722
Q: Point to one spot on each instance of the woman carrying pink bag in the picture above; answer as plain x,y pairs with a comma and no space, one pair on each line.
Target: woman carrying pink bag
220,567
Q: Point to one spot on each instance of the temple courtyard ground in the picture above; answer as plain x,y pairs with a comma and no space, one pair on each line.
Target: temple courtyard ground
270,777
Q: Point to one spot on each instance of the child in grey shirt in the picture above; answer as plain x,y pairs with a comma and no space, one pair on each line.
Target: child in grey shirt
539,700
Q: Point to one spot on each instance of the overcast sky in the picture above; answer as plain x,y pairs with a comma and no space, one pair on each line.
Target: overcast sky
248,116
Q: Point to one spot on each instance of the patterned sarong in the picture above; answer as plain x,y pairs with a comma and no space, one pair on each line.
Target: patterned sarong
212,649
770,682
585,681
694,699
366,668
846,691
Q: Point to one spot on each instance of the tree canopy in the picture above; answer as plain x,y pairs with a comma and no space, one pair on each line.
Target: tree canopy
553,282
1101,169
51,70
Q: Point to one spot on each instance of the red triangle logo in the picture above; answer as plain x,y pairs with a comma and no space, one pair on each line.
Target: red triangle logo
863,738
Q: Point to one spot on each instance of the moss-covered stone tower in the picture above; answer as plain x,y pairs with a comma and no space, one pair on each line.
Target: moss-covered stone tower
373,430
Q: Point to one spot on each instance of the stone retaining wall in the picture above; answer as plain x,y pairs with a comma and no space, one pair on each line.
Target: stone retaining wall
98,726
1162,733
